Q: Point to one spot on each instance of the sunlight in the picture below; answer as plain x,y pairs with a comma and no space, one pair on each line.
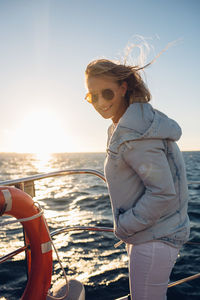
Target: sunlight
42,162
41,132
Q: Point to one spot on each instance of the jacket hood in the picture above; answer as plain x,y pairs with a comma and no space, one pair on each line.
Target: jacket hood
142,121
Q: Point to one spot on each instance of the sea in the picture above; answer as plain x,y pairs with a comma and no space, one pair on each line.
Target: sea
83,200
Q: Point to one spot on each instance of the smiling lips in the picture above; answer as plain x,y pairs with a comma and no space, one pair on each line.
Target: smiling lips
106,108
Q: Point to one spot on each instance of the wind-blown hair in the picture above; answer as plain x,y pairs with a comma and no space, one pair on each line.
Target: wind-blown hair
136,88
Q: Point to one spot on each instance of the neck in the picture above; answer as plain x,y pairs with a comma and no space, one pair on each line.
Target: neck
117,117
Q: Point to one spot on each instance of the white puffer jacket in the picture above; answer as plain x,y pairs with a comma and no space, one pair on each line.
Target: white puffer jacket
146,178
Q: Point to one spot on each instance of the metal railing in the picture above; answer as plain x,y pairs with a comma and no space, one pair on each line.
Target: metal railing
53,174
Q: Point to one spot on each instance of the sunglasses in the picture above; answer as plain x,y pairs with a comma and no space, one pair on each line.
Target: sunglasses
107,94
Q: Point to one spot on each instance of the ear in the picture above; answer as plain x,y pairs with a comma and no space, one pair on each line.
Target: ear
124,87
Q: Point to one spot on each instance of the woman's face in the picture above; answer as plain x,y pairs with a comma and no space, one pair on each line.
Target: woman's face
109,109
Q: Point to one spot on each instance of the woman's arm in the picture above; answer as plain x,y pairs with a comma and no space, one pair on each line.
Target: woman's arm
147,158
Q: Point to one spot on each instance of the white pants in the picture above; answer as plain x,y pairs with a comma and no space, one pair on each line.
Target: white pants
150,265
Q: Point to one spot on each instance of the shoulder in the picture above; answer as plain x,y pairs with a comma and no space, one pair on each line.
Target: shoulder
144,145
143,151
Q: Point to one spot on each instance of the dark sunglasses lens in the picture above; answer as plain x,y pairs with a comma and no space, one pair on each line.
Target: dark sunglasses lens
108,94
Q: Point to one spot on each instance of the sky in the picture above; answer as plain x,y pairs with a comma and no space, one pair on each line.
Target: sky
45,46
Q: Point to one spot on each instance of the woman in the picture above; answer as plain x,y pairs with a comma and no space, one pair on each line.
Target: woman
145,174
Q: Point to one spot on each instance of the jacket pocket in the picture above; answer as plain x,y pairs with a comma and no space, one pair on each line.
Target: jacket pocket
119,230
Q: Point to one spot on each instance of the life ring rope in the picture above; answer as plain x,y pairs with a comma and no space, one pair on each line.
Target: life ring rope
41,212
60,263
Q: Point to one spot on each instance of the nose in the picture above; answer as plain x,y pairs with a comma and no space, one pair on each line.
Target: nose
101,101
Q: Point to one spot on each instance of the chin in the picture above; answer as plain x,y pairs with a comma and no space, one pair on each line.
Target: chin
106,117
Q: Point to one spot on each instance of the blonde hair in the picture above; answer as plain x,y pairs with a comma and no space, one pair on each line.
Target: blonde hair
136,88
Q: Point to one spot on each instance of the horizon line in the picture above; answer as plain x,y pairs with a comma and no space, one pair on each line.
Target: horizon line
69,152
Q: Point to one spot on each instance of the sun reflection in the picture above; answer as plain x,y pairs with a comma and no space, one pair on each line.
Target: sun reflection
76,217
72,217
94,267
42,162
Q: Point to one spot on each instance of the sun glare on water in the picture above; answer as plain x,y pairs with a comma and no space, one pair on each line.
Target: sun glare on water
41,132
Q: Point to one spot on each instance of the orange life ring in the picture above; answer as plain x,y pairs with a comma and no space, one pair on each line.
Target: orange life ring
18,204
